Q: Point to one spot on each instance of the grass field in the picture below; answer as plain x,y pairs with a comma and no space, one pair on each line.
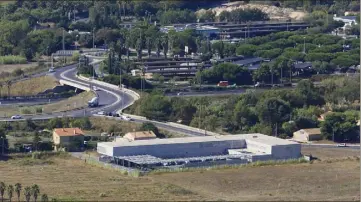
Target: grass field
12,67
68,178
30,87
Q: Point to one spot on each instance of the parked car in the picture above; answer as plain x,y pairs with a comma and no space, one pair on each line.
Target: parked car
342,145
16,117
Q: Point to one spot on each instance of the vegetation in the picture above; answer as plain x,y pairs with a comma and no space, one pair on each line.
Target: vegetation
34,191
12,59
272,112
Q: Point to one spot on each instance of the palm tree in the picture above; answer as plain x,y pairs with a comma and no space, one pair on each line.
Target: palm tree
2,190
18,190
10,192
158,45
165,45
149,45
35,191
44,198
27,193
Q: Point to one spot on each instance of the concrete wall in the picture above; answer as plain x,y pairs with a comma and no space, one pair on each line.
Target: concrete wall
177,150
286,151
104,149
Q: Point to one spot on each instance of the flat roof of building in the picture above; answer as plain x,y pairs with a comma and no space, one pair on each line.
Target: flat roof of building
256,137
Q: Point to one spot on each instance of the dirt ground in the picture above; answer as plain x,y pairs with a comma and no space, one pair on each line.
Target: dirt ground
330,153
73,179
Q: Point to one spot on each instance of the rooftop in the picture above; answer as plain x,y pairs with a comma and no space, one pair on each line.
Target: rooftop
141,134
312,131
68,131
256,137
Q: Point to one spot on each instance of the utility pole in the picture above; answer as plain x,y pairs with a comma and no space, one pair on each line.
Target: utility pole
63,41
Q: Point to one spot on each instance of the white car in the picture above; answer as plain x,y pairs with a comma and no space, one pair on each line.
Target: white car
95,88
342,145
101,113
126,118
52,70
16,117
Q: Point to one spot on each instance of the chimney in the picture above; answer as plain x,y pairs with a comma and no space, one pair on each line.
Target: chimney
74,132
63,130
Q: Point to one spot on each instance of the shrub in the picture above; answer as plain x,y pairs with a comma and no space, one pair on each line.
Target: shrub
12,59
39,110
26,111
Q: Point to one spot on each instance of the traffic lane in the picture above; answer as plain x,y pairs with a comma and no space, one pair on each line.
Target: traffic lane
105,97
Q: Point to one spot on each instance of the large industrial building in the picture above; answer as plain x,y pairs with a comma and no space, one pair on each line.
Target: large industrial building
198,151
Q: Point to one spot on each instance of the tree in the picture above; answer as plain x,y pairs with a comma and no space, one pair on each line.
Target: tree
147,126
273,111
18,190
207,16
44,198
341,127
27,193
149,45
165,45
158,45
10,191
36,140
35,191
246,50
156,107
9,84
2,190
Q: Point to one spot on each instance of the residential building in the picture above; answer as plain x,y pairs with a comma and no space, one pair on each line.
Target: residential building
306,135
140,135
70,139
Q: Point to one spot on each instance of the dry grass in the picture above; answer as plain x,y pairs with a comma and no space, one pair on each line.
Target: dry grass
12,67
31,87
73,179
103,124
330,153
318,181
71,103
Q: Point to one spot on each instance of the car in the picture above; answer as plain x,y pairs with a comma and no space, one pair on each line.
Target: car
126,118
16,117
51,69
101,113
180,93
95,88
342,145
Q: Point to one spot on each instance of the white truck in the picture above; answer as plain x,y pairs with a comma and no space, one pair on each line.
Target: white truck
94,102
